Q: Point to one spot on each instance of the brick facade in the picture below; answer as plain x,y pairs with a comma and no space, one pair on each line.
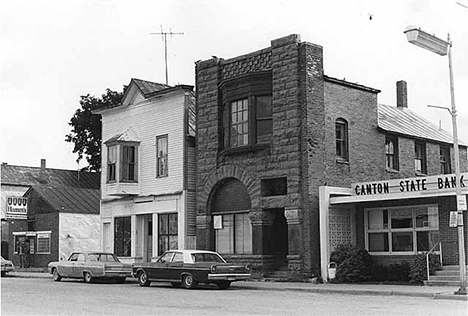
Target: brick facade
305,106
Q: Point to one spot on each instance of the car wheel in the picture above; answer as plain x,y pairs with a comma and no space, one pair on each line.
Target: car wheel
224,285
3,273
143,279
57,276
87,277
176,284
189,282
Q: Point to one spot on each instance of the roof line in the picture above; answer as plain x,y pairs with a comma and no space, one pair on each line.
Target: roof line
350,84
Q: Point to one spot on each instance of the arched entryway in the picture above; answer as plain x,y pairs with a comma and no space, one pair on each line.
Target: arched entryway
232,229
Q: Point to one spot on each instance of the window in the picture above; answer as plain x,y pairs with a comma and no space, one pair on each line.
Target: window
161,156
122,162
402,229
43,243
391,153
123,236
247,110
111,163
445,167
234,235
129,163
168,232
341,134
420,157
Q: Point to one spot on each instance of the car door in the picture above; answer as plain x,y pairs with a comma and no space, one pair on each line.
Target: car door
79,265
159,268
65,269
174,268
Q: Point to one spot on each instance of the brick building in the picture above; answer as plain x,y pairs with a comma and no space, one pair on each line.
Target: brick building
273,133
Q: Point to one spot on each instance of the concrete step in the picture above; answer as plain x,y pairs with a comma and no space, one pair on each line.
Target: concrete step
447,276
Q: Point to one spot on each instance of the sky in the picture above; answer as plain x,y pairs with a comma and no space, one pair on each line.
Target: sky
52,52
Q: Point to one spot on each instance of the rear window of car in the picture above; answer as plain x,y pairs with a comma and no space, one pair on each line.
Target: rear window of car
206,257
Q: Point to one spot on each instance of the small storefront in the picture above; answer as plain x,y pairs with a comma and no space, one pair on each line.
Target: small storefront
393,220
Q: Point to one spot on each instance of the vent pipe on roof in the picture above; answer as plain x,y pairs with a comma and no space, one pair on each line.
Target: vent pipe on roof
402,94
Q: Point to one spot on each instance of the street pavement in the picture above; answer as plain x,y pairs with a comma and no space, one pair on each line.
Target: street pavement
435,292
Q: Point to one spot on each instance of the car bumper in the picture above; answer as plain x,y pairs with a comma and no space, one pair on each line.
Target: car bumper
228,277
118,274
8,269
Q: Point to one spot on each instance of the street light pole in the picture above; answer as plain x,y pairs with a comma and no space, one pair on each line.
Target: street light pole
436,45
461,237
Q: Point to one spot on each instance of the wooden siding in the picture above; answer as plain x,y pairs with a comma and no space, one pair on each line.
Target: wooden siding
149,119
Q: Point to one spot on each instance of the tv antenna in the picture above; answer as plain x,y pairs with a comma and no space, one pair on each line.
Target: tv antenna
164,38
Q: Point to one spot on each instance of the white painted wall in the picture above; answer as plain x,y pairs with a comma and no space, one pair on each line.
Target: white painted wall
148,119
78,232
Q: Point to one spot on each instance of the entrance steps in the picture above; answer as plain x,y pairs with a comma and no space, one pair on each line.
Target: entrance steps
280,274
448,276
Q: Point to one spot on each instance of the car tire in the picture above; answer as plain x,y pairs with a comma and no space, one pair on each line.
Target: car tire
189,282
3,273
56,275
176,284
224,285
143,279
87,277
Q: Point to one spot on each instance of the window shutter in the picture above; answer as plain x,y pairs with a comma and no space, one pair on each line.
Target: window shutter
136,163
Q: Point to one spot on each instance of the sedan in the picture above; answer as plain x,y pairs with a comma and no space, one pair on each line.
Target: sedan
189,268
90,266
7,266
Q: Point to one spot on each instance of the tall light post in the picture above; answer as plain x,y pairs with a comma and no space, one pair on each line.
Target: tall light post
436,45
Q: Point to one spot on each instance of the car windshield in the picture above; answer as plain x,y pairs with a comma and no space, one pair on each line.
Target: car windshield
107,257
206,257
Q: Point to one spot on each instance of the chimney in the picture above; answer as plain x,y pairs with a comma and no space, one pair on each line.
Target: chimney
402,94
42,173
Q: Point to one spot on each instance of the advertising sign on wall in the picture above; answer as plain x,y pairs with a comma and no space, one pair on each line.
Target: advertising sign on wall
17,207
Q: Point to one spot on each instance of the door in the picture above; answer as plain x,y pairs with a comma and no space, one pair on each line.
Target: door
65,268
106,237
149,239
79,265
280,238
159,270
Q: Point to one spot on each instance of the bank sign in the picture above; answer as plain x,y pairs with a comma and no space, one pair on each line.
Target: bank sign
419,184
17,207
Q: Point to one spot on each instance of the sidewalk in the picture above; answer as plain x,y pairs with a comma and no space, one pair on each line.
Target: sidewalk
435,292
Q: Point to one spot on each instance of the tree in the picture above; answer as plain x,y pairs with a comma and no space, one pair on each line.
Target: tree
86,127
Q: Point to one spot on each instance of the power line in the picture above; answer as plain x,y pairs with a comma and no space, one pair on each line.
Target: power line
164,38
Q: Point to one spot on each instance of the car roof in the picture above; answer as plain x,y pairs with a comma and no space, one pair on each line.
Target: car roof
186,251
89,252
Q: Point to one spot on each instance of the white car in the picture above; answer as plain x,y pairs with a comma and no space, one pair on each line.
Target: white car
7,266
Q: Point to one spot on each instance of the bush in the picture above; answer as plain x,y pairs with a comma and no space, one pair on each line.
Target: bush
353,265
418,272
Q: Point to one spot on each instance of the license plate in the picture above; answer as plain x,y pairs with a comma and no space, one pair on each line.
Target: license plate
231,278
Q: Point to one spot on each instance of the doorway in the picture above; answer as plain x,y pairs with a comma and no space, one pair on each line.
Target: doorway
280,238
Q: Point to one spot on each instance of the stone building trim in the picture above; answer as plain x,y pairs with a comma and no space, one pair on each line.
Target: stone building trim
225,172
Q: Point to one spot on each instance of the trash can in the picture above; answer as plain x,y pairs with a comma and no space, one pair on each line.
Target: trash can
331,270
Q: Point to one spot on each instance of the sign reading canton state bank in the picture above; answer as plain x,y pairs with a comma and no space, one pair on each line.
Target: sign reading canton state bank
419,184
17,207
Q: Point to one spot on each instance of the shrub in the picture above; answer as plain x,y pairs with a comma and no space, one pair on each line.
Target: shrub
353,265
418,272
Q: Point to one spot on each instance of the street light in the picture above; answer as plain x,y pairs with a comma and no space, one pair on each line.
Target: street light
429,42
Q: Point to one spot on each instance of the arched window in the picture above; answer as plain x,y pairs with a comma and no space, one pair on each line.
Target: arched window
341,135
230,209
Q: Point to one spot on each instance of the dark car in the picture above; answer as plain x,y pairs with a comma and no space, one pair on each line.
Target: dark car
90,266
189,268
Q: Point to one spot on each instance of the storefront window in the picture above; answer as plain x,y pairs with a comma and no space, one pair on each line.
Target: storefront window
234,236
402,229
123,236
168,232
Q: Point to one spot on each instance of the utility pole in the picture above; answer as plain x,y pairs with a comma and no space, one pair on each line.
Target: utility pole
164,38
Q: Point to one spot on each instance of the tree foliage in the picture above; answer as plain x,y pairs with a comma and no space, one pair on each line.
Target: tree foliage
86,127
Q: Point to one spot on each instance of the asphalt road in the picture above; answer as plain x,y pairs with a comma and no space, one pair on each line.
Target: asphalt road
23,296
